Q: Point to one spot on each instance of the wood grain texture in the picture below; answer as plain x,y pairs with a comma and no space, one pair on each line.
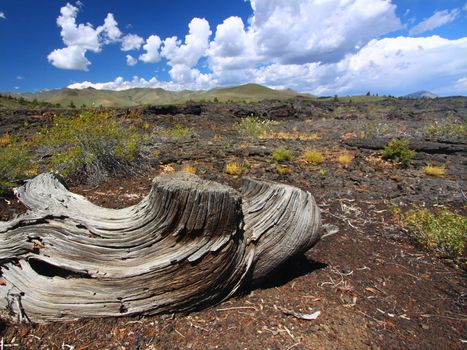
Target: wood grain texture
188,244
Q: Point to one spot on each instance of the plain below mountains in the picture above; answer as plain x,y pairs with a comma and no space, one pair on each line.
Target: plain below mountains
142,96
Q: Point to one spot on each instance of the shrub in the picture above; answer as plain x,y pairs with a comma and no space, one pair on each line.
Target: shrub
177,132
313,157
433,170
92,144
345,158
254,126
282,154
234,169
16,163
283,170
398,151
445,232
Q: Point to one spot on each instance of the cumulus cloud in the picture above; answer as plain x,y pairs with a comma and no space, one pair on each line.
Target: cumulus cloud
153,43
131,42
438,19
183,57
305,31
322,47
387,66
2,15
130,60
136,82
79,38
70,57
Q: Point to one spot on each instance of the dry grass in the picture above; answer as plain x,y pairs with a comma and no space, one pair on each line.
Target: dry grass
292,135
433,170
234,168
5,139
313,157
345,158
188,168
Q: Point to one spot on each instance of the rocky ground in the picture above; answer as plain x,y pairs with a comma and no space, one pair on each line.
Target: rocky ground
374,286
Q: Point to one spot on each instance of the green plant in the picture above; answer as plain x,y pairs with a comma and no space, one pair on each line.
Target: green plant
92,144
398,150
16,162
177,132
313,156
444,231
282,154
254,126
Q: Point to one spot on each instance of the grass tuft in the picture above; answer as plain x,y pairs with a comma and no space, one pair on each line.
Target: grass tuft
345,158
282,154
433,170
313,157
234,168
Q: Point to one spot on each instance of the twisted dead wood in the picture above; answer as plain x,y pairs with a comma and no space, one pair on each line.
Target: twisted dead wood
188,244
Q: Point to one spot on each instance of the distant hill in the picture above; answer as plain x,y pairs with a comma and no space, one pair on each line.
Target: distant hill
141,96
421,94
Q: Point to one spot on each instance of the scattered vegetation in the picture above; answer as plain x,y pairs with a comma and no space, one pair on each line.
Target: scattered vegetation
398,151
254,126
375,129
449,127
313,157
5,139
177,132
444,231
282,154
92,144
345,158
292,135
433,170
16,163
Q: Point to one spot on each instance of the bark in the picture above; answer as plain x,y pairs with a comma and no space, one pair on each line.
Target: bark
188,244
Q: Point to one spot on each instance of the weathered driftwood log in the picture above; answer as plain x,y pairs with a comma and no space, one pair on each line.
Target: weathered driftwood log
188,244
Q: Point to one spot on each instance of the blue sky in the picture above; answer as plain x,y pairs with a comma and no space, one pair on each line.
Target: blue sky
323,47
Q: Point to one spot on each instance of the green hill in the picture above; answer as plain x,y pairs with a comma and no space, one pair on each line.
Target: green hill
141,96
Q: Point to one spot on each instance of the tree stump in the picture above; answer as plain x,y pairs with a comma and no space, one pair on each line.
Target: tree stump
188,244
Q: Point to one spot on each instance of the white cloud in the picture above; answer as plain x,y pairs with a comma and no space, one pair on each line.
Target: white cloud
183,57
121,84
305,31
130,60
387,66
81,35
323,47
19,77
131,42
151,47
70,57
79,38
110,29
2,15
438,19
461,85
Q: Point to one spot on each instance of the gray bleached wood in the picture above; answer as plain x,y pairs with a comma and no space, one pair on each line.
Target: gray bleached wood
188,244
